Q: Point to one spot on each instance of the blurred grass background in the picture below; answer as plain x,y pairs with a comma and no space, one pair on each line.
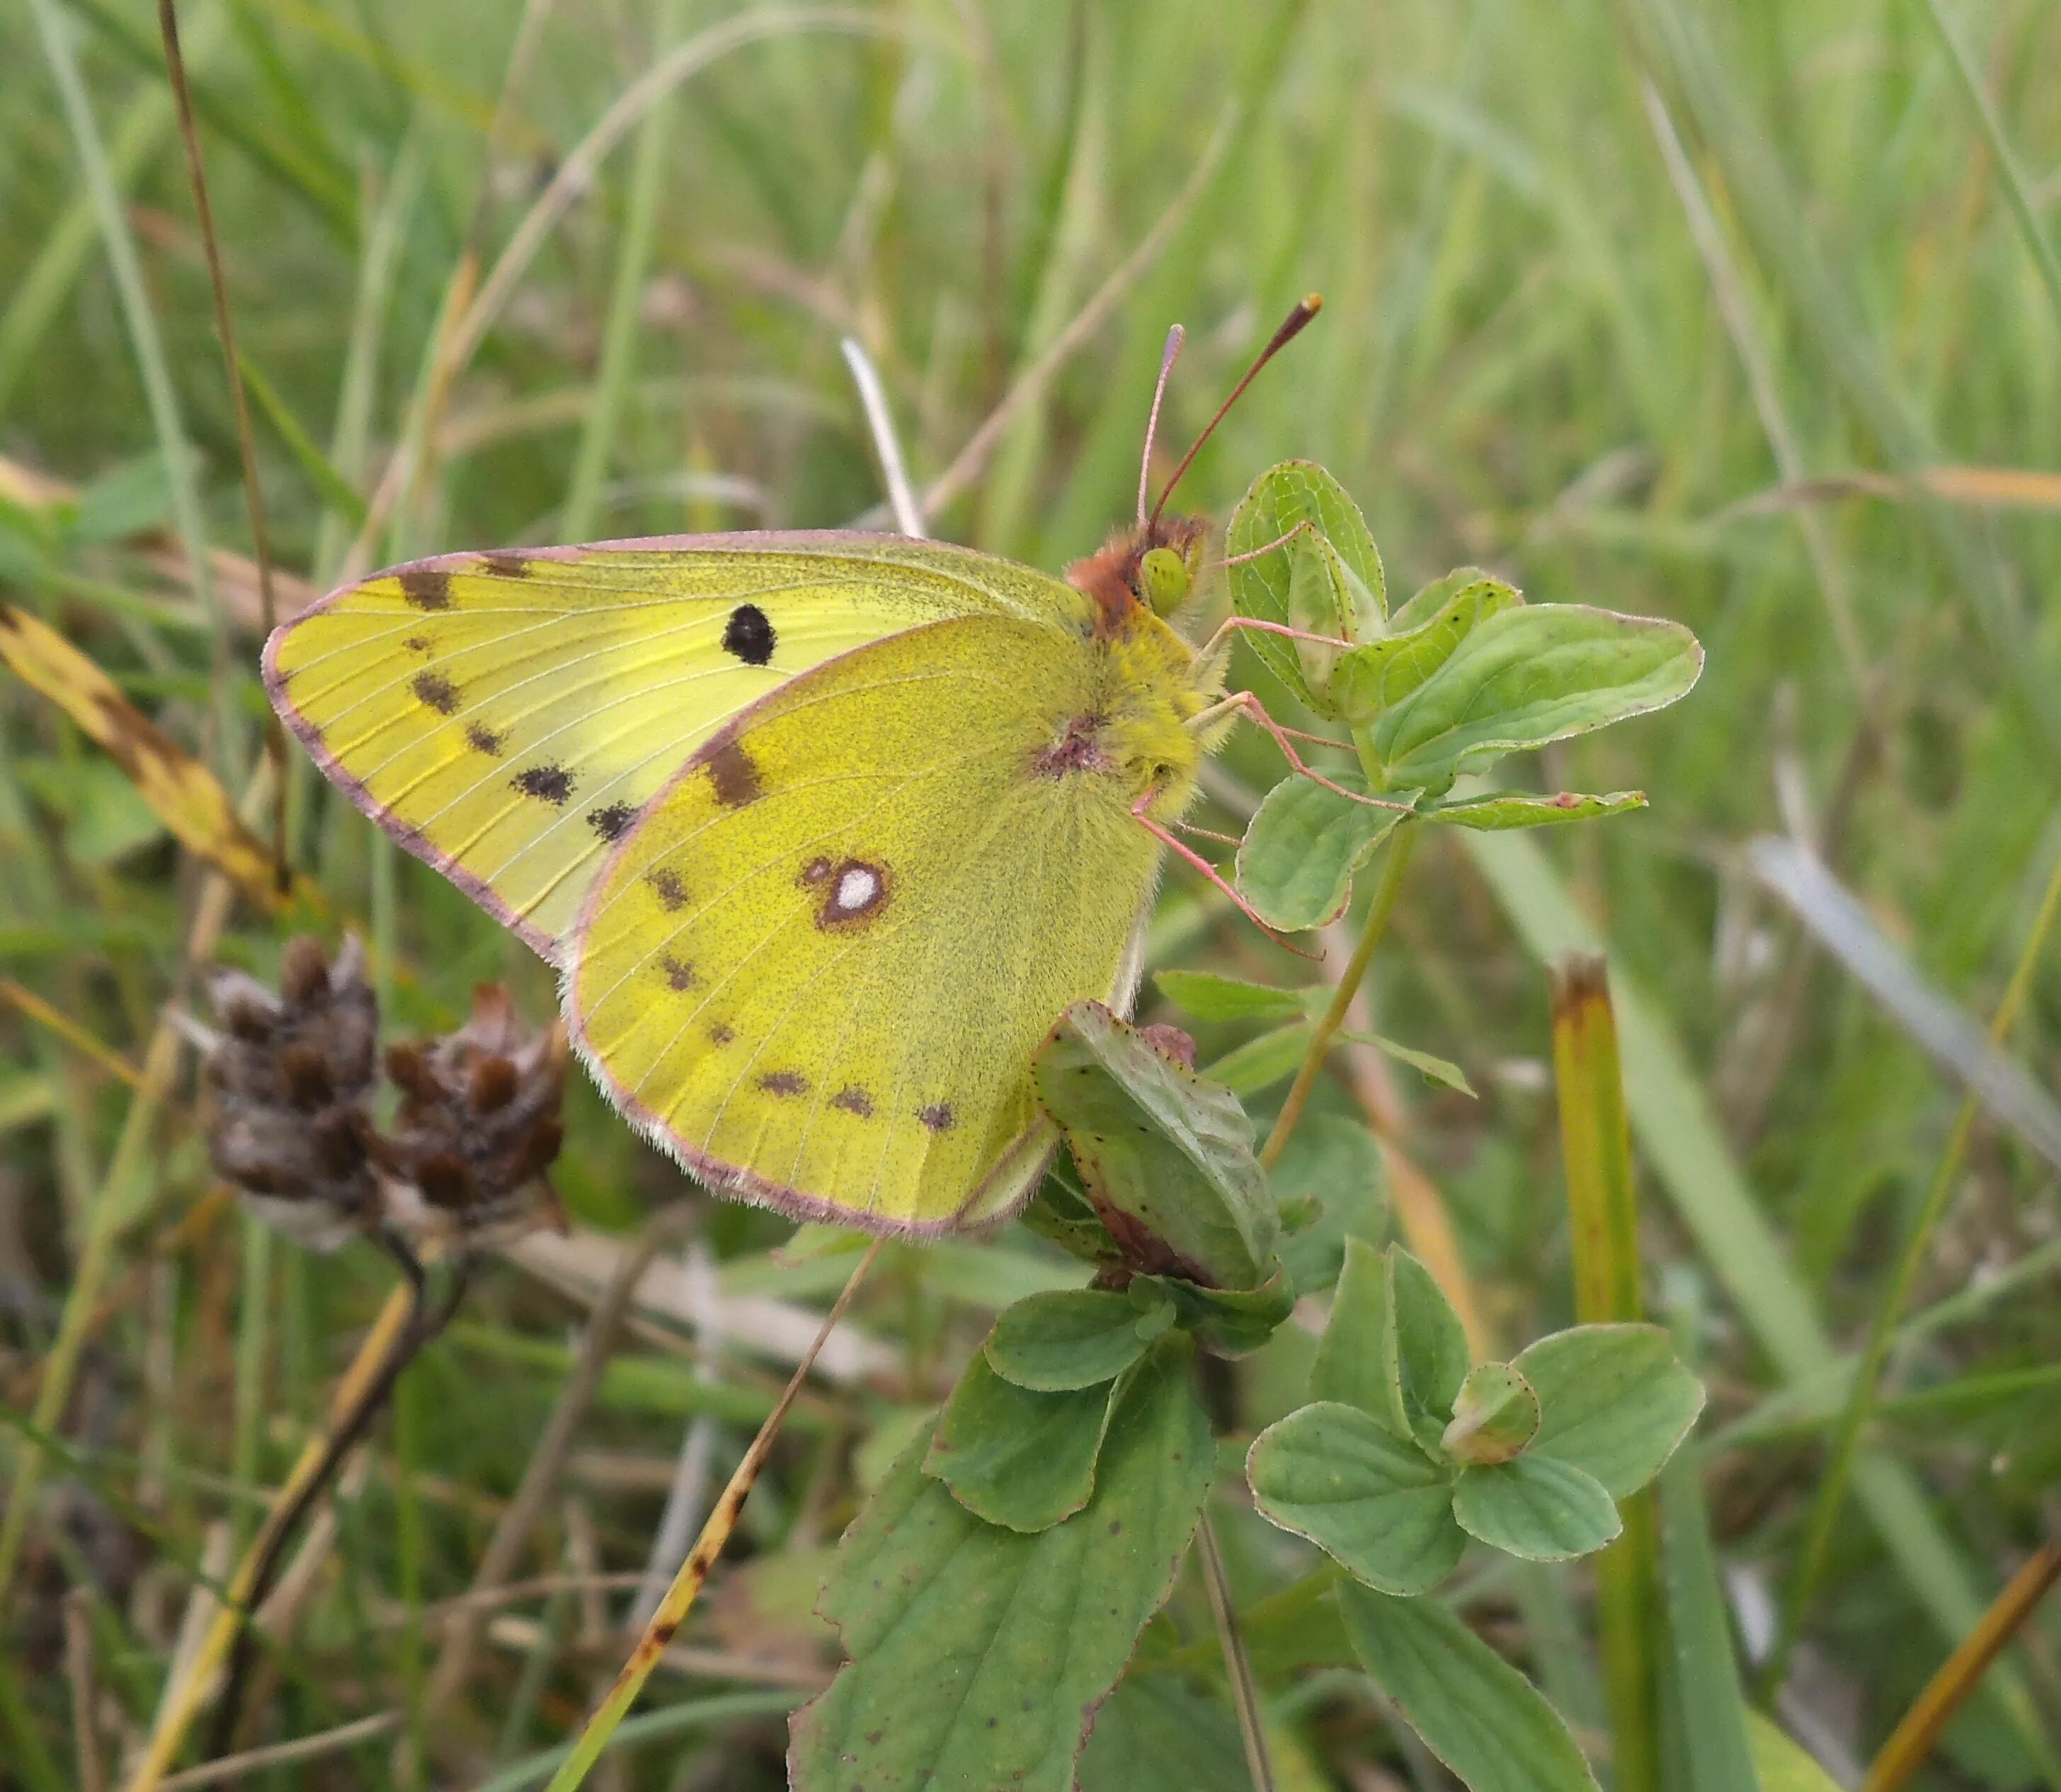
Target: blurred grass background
1743,315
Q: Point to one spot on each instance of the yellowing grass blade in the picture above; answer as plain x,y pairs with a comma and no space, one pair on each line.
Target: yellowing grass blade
183,793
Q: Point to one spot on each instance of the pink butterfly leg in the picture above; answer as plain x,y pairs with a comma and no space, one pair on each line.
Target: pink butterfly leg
1141,811
1249,705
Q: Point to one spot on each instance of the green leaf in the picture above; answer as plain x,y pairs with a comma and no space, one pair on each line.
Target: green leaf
1232,1321
1071,1337
979,1655
1439,1069
1166,1157
1285,498
1377,1505
104,817
129,498
1422,605
1535,1507
1699,1676
1532,674
1062,1213
1781,1765
1377,675
1495,1416
1505,810
1431,1342
1336,1161
1321,601
1262,1060
1156,1735
1208,997
1303,844
815,1239
1014,1458
1614,1401
1356,1357
1476,1712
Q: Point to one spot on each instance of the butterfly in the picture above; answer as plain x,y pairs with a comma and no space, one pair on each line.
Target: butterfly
822,831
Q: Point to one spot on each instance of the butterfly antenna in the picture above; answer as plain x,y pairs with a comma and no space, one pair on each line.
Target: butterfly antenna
1174,337
1291,326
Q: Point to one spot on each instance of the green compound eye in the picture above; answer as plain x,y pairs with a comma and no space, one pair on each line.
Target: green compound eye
1165,576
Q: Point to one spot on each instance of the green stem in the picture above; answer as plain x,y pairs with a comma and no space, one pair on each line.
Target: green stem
1860,1398
1400,843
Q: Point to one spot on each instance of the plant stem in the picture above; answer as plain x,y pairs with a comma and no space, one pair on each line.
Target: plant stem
1400,842
1238,1666
1874,1353
694,1573
246,449
1962,1672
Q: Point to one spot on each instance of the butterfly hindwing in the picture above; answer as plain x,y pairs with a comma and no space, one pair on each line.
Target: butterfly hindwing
819,966
508,716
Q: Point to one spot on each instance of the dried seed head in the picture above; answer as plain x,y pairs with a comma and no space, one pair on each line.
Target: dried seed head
479,1124
291,1075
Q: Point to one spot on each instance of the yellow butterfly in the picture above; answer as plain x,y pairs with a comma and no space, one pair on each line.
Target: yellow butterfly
823,830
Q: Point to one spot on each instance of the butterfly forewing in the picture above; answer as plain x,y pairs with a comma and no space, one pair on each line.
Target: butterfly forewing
508,716
818,967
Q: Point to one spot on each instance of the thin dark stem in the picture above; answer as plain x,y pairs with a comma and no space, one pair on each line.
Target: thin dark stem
253,495
424,1323
1238,1666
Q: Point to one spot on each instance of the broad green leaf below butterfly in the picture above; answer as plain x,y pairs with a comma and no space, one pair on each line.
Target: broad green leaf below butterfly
822,831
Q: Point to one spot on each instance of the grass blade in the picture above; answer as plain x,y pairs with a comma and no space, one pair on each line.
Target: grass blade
1708,1705
1603,1210
1917,1247
181,465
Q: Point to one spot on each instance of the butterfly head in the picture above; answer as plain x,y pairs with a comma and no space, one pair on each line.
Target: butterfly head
1157,566
1153,568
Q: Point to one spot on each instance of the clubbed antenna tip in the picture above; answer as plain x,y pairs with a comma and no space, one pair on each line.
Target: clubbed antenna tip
1305,308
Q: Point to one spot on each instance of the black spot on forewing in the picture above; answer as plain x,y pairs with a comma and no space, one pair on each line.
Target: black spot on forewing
720,1034
551,784
784,1082
505,565
426,587
613,821
437,691
665,884
854,1100
679,975
482,739
938,1117
733,773
748,634
418,643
